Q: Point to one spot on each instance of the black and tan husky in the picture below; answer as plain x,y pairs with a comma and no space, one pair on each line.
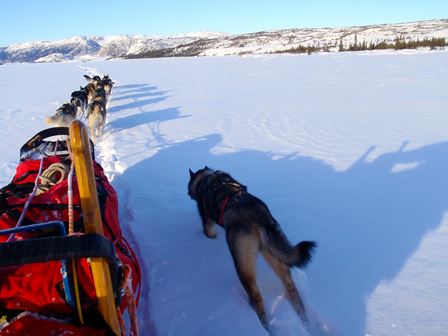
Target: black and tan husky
107,84
64,115
96,117
250,228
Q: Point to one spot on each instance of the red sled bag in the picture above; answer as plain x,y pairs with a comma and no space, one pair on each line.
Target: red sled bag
45,273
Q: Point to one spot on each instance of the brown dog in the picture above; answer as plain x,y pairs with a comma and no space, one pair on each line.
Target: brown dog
250,228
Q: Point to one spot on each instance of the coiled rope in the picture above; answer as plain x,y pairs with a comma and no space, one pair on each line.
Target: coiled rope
51,176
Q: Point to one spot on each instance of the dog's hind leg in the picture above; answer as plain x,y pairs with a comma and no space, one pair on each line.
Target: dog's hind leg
103,120
244,245
284,273
92,126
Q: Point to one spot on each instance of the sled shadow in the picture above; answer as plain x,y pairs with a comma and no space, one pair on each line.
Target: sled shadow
367,221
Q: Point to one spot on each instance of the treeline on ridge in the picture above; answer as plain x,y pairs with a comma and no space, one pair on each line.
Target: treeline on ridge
399,44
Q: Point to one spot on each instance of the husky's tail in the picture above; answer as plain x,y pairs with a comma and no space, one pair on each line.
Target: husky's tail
278,246
303,252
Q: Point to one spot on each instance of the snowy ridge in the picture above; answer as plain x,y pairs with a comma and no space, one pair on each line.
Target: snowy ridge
215,44
82,46
273,41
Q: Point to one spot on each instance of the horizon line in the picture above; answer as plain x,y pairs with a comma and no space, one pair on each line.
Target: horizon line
218,32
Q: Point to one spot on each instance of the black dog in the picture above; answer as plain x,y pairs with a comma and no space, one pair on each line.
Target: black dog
79,99
250,228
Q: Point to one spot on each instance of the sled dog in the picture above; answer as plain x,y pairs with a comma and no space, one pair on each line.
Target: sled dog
107,84
79,99
97,117
98,83
63,116
91,92
250,228
100,92
93,80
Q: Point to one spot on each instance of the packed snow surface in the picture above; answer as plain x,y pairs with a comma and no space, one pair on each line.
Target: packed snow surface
349,150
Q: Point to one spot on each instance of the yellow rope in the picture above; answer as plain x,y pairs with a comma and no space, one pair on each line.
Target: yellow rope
78,300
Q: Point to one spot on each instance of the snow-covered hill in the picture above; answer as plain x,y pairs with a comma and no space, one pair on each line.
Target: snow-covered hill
90,47
207,44
347,149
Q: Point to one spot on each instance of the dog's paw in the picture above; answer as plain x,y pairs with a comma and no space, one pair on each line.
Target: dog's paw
211,235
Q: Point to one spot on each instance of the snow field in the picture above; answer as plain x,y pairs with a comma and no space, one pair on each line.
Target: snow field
347,149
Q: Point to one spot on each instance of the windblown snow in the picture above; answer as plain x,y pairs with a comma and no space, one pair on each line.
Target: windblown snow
349,150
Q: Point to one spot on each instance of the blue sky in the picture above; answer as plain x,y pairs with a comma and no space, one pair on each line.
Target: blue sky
30,20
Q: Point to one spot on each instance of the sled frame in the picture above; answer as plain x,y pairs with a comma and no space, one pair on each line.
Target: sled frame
81,156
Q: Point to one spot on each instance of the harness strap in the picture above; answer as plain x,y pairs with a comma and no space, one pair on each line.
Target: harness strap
56,248
223,210
215,188
43,206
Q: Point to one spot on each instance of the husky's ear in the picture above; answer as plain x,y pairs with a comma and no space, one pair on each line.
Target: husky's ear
191,172
87,77
206,168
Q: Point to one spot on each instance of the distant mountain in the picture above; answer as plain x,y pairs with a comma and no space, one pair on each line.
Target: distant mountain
80,47
214,44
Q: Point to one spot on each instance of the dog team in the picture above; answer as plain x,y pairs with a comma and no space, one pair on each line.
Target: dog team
88,103
249,225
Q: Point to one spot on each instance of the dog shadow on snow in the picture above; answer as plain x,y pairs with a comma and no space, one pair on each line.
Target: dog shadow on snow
146,118
136,91
141,98
367,220
135,96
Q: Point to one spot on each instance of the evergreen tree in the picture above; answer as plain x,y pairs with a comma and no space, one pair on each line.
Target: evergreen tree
341,45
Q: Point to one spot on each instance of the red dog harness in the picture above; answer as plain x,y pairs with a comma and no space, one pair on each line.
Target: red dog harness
223,210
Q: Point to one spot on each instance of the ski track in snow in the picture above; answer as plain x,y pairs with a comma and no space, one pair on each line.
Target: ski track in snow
106,155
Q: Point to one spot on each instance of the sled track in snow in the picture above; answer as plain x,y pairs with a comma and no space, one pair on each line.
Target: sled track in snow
109,160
